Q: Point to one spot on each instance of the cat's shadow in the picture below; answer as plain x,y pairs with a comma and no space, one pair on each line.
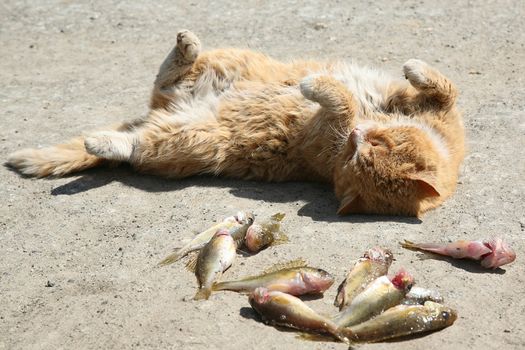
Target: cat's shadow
314,200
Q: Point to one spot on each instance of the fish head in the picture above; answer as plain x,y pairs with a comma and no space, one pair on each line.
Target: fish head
317,280
440,313
501,254
244,218
403,280
260,295
380,255
253,239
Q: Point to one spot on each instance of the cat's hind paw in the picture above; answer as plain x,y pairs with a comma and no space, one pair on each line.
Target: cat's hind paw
188,47
416,71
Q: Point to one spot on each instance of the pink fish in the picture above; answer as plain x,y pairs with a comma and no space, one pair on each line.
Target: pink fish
492,253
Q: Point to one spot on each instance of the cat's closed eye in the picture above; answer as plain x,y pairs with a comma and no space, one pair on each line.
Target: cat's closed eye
375,143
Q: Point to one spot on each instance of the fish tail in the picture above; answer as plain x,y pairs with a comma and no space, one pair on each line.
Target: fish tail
170,259
234,286
219,286
429,247
203,293
409,244
346,335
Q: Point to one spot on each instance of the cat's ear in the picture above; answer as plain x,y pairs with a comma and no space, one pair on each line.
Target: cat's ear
351,203
427,183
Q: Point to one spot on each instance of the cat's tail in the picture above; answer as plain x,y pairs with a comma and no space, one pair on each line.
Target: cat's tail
112,145
57,160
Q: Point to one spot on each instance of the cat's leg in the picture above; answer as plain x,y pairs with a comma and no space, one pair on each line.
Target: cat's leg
329,93
112,145
174,68
164,149
433,87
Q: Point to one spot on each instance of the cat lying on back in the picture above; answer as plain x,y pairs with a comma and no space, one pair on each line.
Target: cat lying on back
388,146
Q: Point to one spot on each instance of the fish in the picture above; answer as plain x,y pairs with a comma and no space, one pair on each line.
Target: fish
382,294
374,263
282,309
418,295
238,224
491,253
260,236
215,258
402,320
293,277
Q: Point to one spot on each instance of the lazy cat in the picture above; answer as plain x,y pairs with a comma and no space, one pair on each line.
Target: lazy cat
388,146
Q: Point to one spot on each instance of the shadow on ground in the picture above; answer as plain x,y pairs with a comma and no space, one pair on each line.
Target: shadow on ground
464,264
320,202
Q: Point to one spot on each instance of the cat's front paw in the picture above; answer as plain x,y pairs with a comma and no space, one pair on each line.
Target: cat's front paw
308,86
188,46
416,72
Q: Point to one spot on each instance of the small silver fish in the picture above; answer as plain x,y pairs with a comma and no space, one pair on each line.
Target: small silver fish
293,277
215,258
379,296
492,253
373,264
281,309
267,233
402,320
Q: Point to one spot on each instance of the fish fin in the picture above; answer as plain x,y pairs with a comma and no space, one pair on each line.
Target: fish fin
239,242
316,337
202,293
278,217
191,264
340,298
244,252
280,239
300,262
170,259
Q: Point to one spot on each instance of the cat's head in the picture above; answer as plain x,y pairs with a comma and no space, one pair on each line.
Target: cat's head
396,169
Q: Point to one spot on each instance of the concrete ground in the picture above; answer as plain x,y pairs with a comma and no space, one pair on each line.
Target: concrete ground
78,254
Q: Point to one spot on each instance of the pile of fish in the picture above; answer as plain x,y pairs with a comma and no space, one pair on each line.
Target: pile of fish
214,250
372,306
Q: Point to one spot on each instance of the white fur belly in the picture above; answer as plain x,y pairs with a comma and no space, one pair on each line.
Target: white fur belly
369,86
198,104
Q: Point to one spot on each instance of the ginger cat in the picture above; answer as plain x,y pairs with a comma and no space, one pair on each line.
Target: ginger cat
388,146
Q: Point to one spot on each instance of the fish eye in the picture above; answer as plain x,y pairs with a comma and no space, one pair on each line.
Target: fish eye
445,315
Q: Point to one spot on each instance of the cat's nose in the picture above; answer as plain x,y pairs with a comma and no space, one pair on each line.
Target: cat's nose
356,134
356,131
